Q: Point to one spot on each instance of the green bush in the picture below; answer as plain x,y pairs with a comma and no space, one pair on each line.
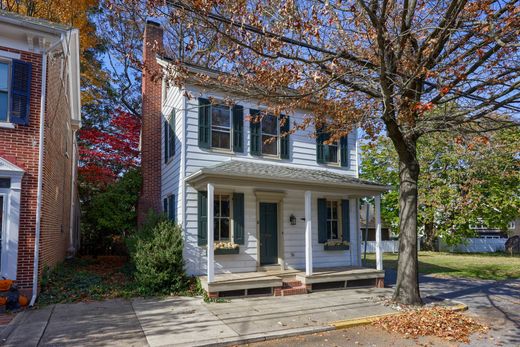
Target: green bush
156,251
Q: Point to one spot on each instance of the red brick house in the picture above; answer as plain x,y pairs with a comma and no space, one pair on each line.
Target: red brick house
39,117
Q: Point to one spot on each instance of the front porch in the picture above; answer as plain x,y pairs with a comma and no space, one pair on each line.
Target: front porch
290,282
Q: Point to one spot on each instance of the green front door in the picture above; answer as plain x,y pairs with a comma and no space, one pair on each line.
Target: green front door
268,233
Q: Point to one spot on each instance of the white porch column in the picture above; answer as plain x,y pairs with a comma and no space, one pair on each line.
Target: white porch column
379,252
308,233
211,246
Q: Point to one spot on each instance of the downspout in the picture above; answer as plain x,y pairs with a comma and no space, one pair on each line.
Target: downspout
72,246
40,171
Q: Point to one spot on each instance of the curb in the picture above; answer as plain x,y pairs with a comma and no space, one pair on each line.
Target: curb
350,323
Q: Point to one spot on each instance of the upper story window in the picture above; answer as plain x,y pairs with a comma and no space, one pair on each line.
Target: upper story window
15,91
169,137
331,152
220,126
269,135
5,72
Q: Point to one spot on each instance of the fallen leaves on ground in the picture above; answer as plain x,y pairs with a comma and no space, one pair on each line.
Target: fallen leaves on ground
434,321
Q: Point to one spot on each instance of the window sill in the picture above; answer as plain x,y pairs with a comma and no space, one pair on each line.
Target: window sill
7,125
336,248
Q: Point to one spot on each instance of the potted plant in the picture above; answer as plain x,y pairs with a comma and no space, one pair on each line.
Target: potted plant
226,248
336,246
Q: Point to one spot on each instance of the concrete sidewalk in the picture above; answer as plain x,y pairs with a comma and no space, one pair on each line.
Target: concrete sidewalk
187,321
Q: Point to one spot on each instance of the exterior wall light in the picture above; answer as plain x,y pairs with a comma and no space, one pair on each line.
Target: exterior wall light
292,219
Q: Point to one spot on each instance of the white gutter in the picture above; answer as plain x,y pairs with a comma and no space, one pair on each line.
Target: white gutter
40,171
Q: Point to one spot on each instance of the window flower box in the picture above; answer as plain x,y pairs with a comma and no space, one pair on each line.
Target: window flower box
336,246
226,248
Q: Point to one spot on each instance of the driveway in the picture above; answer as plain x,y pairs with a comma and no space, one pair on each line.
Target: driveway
188,321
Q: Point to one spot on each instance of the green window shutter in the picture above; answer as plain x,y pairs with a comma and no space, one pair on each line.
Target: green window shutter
256,138
166,144
345,220
238,218
171,208
344,151
238,128
202,218
171,135
204,123
165,205
322,220
320,147
285,140
20,92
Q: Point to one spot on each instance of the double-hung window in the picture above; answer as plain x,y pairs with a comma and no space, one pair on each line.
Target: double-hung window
5,74
169,137
331,152
221,127
222,219
333,220
269,135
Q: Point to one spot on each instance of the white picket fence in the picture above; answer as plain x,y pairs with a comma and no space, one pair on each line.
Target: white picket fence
387,246
476,245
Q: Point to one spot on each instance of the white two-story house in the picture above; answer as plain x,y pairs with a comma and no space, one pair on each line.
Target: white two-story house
262,210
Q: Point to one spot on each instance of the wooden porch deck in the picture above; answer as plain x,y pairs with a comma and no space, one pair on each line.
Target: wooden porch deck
272,279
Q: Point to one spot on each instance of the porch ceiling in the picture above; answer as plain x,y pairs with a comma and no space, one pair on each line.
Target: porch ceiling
246,173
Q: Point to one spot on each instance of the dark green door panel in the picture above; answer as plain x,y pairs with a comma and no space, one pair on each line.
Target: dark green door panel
268,233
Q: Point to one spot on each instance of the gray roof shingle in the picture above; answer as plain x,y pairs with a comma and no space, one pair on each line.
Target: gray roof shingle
244,168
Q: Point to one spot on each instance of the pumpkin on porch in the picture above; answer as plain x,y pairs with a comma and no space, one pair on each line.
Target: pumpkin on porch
3,300
23,300
5,285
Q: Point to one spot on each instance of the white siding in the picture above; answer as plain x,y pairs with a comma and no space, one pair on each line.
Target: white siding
302,145
171,171
189,158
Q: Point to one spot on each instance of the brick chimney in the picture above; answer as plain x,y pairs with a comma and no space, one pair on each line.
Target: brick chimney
151,118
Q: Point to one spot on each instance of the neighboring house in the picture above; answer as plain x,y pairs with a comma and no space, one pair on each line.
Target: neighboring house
289,206
386,234
39,117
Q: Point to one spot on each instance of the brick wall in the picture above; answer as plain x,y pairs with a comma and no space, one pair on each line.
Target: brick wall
150,197
57,167
20,145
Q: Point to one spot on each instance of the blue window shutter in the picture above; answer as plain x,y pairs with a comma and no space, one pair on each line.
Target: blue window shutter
285,140
238,218
20,92
322,220
204,123
256,139
320,147
171,135
165,205
344,151
166,145
238,128
202,233
345,220
171,208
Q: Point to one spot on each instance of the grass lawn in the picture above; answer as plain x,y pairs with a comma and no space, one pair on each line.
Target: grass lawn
489,266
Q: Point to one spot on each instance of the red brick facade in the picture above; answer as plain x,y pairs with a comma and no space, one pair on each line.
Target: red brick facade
20,146
151,122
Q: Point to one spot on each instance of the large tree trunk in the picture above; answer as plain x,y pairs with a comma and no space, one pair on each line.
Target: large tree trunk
407,286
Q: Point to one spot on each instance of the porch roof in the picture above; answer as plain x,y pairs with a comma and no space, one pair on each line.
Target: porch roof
245,172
